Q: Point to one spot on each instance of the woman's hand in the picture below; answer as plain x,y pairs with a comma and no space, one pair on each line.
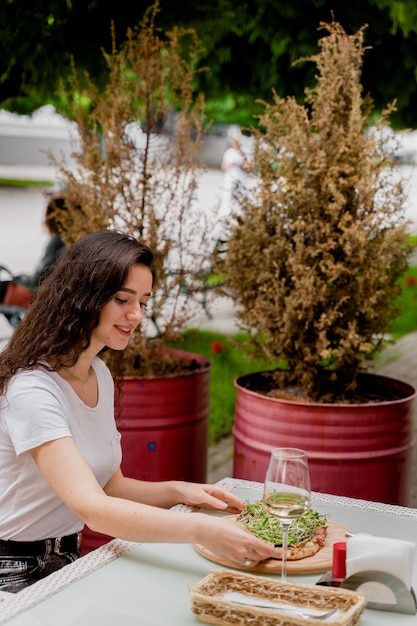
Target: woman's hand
230,540
210,497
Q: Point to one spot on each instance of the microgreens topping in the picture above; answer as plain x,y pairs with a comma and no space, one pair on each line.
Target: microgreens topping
268,527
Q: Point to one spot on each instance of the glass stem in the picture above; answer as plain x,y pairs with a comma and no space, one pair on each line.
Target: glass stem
285,529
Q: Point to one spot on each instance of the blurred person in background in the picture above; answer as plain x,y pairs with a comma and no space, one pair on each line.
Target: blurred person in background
237,163
18,290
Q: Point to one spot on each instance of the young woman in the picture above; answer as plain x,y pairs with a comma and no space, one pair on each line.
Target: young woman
60,450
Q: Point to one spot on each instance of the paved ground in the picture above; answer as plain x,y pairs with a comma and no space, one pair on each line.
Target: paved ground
22,238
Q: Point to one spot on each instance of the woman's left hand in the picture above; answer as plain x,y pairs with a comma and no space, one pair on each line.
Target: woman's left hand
211,497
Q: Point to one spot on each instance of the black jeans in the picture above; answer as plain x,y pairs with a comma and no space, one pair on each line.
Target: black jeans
19,570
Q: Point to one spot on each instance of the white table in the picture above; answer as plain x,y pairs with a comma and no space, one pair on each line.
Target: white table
127,584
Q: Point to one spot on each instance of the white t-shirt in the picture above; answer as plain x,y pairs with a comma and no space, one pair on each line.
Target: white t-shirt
41,406
234,176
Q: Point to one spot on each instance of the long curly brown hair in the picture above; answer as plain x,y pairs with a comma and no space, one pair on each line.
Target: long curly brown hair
59,322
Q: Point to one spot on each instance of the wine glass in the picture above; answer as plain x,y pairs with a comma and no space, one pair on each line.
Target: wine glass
287,491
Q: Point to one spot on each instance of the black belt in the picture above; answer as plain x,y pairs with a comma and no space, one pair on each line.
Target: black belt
57,545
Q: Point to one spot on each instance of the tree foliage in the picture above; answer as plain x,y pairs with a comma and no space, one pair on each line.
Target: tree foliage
319,243
249,47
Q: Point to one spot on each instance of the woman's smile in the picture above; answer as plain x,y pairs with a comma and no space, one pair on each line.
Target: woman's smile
125,330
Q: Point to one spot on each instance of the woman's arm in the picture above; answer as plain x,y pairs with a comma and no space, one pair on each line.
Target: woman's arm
168,493
69,475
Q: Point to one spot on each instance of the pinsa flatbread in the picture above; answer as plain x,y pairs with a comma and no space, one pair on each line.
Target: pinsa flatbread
306,536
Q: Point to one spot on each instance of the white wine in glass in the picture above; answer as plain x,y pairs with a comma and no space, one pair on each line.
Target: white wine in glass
287,491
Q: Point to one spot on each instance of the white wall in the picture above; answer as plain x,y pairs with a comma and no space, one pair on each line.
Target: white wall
26,139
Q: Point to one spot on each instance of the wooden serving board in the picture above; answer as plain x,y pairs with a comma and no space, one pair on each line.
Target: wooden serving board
316,564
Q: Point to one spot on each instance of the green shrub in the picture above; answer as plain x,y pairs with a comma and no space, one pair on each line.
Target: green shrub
229,359
406,321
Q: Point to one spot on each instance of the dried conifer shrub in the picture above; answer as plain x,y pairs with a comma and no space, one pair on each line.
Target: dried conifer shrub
318,244
137,168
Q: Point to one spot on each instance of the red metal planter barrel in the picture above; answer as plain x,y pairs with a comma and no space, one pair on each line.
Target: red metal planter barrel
164,428
356,450
164,425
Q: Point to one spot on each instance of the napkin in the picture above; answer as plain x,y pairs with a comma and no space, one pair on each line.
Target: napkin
366,552
240,598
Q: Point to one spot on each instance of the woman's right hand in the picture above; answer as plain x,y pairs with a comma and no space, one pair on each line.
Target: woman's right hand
228,539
